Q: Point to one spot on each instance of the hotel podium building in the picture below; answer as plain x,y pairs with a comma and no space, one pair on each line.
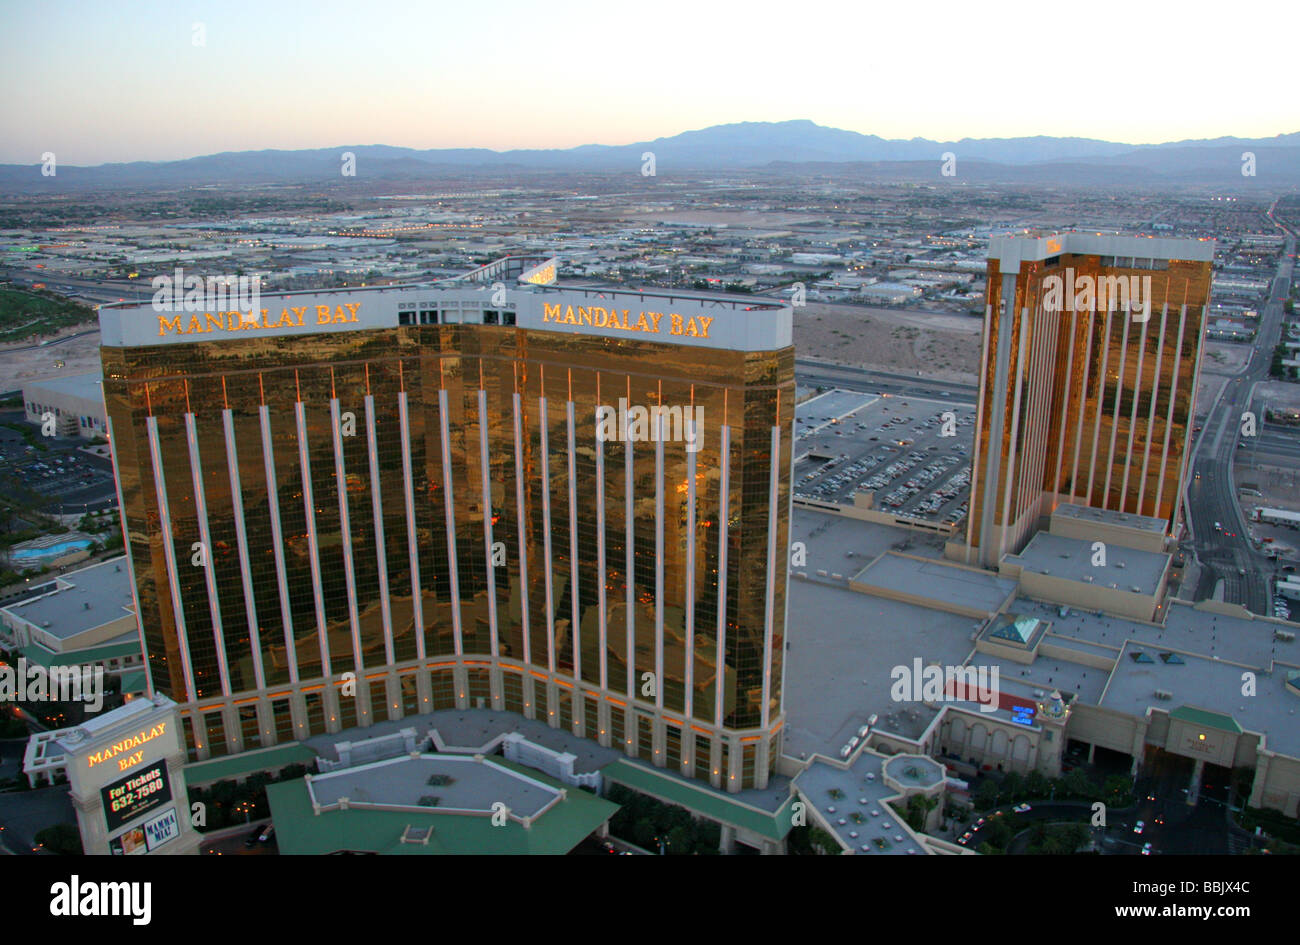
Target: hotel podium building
355,506
1092,351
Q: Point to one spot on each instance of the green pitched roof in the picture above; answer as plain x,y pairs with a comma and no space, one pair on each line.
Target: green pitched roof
300,830
134,682
1206,719
701,798
234,766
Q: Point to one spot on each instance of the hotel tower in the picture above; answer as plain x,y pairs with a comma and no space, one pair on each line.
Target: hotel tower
1092,350
363,505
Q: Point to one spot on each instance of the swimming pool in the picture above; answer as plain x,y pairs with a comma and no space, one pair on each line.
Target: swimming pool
53,551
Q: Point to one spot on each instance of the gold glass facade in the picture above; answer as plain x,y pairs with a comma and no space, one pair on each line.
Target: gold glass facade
1081,399
429,507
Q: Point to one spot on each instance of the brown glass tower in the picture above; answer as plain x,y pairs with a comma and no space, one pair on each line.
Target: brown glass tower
1091,357
409,485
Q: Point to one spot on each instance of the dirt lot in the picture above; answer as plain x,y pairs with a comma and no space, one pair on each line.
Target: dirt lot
943,346
1225,357
21,363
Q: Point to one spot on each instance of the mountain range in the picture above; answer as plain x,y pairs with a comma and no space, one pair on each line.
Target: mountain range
751,147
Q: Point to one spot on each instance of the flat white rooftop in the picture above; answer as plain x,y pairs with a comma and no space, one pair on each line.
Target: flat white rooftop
1074,559
1010,251
438,782
1086,513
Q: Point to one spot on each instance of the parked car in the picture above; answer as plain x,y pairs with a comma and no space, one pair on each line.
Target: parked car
256,835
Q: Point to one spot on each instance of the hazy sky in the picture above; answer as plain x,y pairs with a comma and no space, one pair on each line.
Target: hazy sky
108,81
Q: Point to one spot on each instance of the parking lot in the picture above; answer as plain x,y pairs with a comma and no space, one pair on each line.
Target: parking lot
59,479
913,454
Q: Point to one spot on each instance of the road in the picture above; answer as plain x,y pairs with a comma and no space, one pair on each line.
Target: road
1228,555
814,373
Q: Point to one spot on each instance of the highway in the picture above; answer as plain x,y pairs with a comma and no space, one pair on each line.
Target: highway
814,373
1228,555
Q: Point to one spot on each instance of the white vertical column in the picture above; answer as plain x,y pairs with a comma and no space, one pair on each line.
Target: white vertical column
241,538
1012,468
277,536
169,557
1169,418
1061,422
1083,400
575,608
1101,399
309,505
126,544
377,510
1151,415
1132,419
546,538
412,543
519,518
205,536
659,558
979,460
601,577
724,492
769,616
345,531
689,704
449,510
485,474
1119,402
629,523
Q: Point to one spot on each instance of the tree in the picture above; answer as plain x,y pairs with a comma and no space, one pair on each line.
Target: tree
1117,789
1036,784
823,842
644,833
681,840
64,839
986,795
1077,784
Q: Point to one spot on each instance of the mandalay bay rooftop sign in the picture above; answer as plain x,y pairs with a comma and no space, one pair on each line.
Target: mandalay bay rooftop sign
651,323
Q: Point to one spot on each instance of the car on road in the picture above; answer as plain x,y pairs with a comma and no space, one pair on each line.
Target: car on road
1139,826
1022,808
1146,849
266,835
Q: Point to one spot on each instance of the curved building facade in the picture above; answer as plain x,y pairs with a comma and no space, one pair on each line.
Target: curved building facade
568,502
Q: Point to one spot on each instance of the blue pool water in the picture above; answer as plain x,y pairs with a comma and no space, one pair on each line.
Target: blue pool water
62,548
